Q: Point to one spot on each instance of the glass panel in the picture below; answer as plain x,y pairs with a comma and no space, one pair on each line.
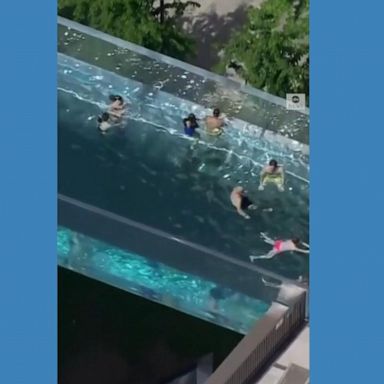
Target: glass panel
158,282
166,269
182,80
174,252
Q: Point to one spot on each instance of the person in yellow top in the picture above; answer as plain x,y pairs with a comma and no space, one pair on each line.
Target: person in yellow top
272,173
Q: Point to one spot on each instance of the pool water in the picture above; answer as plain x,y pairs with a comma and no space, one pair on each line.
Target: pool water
148,171
158,282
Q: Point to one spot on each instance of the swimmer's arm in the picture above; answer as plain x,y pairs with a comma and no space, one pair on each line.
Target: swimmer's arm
302,250
242,213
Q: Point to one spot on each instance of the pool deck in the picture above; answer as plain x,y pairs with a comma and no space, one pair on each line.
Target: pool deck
292,362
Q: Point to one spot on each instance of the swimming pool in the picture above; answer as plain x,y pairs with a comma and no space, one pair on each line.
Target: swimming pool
158,282
182,79
146,169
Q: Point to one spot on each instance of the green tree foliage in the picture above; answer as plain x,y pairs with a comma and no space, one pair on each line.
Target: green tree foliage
151,23
271,52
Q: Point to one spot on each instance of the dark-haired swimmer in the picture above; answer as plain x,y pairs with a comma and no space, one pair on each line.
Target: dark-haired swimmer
190,125
104,122
280,246
117,106
215,123
272,174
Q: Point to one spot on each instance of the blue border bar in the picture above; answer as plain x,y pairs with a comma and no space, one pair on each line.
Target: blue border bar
347,294
28,286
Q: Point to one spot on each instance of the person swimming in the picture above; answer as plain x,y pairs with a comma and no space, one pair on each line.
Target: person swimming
190,125
241,201
217,295
117,106
215,123
104,122
280,246
272,173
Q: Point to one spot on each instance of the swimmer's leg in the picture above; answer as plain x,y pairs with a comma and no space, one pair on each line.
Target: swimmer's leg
279,182
269,255
267,239
196,141
268,284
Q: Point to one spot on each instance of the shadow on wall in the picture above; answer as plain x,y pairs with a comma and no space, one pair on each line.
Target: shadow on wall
211,31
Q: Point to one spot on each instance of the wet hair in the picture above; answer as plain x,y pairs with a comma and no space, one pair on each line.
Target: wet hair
296,241
216,112
118,98
103,117
192,118
273,163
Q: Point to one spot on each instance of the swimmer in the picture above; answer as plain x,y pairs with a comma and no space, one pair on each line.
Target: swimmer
215,123
217,295
117,106
190,125
241,202
280,246
272,173
104,122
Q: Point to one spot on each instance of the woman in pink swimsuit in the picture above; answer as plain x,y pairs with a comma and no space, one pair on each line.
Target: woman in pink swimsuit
280,246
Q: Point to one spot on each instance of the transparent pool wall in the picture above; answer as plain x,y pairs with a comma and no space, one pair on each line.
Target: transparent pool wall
184,276
264,114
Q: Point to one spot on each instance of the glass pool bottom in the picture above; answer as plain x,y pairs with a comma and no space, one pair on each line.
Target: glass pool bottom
158,282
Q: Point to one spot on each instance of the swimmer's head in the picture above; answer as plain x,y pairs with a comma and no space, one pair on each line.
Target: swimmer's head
273,163
216,112
238,189
118,98
192,118
104,117
296,241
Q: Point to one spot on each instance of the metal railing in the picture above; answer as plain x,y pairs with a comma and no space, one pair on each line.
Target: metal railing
262,343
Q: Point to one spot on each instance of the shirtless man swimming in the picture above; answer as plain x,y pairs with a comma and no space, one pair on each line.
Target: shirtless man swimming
280,246
215,123
241,202
272,173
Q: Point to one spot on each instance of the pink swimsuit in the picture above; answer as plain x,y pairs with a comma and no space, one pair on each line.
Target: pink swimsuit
277,245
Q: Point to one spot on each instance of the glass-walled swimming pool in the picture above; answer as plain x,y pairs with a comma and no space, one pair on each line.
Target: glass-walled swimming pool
148,171
165,269
159,282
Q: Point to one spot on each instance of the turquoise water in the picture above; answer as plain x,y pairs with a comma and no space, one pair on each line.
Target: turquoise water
158,282
146,170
